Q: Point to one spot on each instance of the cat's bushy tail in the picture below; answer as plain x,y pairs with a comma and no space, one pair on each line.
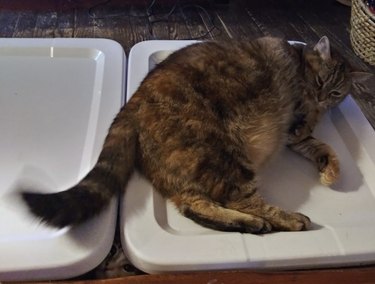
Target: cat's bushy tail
95,191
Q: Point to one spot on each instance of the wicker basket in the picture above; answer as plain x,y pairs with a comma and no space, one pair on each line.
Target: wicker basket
362,34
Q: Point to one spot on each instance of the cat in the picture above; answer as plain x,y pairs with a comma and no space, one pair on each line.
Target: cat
202,124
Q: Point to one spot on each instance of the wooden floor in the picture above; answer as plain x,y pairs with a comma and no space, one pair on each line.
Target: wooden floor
132,21
129,22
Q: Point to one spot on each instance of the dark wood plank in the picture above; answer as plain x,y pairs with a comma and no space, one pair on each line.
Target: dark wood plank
271,19
177,27
8,20
26,23
84,25
303,30
122,31
65,24
215,26
194,23
139,26
240,26
46,24
159,20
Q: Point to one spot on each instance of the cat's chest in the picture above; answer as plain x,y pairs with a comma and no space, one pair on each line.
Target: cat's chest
264,138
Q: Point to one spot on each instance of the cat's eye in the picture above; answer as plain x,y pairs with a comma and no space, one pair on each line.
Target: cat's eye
335,93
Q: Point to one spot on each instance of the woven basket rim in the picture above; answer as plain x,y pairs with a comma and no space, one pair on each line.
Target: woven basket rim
363,31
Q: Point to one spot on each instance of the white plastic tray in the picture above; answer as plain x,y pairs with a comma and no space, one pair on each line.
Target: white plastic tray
57,100
158,239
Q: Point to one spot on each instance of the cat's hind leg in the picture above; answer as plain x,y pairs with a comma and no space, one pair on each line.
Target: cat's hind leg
252,203
227,200
244,211
212,215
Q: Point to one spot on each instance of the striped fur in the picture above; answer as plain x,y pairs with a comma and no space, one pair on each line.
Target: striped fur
201,125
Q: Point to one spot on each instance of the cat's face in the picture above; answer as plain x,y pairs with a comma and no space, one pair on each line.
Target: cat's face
332,83
330,76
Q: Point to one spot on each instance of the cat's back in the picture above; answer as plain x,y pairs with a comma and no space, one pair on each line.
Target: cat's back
216,92
228,71
266,54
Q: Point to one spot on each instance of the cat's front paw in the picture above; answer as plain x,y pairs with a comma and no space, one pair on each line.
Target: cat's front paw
329,169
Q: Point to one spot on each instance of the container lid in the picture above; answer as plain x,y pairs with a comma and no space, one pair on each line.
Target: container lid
58,98
157,238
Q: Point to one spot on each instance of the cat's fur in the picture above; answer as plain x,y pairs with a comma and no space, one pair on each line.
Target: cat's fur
201,125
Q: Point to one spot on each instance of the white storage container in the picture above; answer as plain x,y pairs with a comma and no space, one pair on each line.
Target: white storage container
57,100
158,239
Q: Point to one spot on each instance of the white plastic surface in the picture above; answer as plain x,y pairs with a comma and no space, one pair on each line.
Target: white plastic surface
57,100
158,239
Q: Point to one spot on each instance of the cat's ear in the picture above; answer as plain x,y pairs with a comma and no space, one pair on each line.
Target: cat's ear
363,83
323,48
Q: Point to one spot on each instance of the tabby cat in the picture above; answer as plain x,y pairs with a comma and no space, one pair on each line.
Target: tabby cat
203,123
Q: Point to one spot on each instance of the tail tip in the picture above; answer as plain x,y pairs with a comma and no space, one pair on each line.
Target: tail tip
47,208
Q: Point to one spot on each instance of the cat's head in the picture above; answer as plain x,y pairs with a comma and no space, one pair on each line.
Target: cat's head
331,77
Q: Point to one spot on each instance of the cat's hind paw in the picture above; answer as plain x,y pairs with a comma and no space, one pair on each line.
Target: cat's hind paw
290,221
